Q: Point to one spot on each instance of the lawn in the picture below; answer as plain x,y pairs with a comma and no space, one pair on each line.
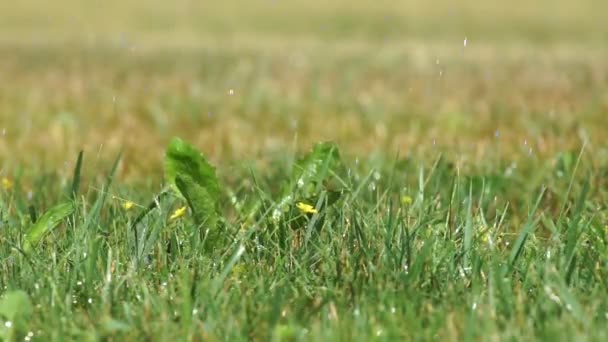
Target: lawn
349,170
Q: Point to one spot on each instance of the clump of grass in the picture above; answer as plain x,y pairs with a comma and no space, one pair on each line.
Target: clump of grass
406,251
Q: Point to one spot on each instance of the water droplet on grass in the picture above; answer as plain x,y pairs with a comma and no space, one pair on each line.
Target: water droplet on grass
376,175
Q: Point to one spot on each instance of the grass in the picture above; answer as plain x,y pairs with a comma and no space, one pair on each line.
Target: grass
473,201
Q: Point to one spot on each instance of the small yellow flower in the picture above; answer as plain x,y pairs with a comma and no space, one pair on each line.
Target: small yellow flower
179,212
237,270
127,205
406,200
7,184
306,208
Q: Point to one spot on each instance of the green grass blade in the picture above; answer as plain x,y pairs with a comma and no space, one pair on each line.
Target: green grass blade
525,232
76,177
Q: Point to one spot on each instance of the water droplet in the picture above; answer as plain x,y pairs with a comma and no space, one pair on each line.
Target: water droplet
376,175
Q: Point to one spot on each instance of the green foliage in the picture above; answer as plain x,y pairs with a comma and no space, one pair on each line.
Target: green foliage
188,172
46,223
184,160
448,254
15,309
315,181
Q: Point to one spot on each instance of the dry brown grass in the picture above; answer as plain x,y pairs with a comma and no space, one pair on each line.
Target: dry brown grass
133,86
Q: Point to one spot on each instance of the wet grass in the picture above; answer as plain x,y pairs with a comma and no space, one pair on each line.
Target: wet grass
476,175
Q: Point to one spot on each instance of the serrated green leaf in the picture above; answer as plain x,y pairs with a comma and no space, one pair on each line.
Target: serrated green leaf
194,178
200,201
46,223
183,159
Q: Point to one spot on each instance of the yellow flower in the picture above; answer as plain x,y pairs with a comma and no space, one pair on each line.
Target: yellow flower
306,208
179,212
237,270
128,205
406,200
7,184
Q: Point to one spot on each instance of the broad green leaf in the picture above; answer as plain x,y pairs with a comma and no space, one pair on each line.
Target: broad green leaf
46,223
16,308
183,159
15,305
200,201
194,178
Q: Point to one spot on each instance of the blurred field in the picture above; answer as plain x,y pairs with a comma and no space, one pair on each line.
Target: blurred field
474,133
385,76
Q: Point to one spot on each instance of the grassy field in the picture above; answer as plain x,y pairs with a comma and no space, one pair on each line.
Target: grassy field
465,197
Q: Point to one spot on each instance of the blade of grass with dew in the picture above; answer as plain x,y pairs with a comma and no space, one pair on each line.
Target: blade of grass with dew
528,228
